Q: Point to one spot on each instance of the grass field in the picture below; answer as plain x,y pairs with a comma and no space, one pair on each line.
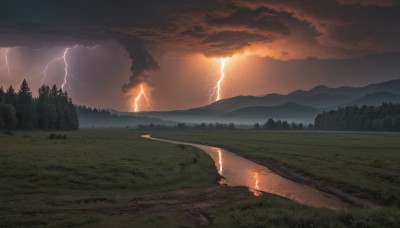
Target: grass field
38,175
114,178
364,164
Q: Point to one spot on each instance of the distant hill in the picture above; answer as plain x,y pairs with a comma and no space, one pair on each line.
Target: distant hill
322,100
300,105
320,97
288,110
392,86
375,99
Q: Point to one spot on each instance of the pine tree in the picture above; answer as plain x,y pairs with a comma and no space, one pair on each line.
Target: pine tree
2,94
24,107
11,97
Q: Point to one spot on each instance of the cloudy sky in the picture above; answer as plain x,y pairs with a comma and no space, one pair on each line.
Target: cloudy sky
173,47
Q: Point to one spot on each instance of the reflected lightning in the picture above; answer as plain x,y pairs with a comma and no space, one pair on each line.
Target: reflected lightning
257,191
220,162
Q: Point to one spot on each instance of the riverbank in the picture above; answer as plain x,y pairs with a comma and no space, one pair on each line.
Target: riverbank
360,168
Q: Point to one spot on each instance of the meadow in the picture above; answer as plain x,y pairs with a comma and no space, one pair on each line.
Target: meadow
91,169
115,178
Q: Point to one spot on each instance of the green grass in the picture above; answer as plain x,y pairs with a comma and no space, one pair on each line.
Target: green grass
359,162
92,169
272,211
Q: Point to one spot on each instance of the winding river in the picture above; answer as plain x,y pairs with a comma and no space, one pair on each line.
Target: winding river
238,171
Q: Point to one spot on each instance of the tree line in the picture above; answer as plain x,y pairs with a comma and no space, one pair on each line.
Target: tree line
51,110
269,125
361,118
279,125
183,126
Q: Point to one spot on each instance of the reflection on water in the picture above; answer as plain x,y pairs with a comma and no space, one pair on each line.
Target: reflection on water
256,190
238,171
220,162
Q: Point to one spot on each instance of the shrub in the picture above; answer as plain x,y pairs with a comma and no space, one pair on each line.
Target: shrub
54,136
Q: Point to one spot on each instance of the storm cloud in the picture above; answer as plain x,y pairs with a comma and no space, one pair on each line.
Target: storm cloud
292,29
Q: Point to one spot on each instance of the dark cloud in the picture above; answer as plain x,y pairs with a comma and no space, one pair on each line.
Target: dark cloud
382,3
227,42
143,64
280,29
262,19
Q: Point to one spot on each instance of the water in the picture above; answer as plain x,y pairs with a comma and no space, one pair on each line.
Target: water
238,171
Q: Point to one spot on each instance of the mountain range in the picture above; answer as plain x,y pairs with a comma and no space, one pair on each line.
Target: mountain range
298,106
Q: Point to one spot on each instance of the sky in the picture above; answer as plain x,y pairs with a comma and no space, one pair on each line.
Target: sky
102,52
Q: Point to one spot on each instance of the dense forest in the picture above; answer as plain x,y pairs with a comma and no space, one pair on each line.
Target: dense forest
365,118
51,110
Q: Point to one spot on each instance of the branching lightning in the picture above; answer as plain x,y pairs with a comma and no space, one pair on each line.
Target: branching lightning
63,57
138,98
44,72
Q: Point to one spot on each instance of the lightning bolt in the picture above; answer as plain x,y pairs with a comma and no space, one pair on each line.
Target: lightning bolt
44,72
141,94
222,72
63,57
6,63
216,91
66,68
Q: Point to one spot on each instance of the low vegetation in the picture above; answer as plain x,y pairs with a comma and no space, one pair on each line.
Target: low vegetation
272,211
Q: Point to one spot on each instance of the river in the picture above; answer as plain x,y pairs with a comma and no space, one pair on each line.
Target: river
238,171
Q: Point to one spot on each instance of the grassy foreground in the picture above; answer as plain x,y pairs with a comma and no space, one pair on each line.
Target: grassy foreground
364,164
113,178
92,168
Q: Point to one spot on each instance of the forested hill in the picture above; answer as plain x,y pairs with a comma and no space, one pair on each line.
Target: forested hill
365,118
51,110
